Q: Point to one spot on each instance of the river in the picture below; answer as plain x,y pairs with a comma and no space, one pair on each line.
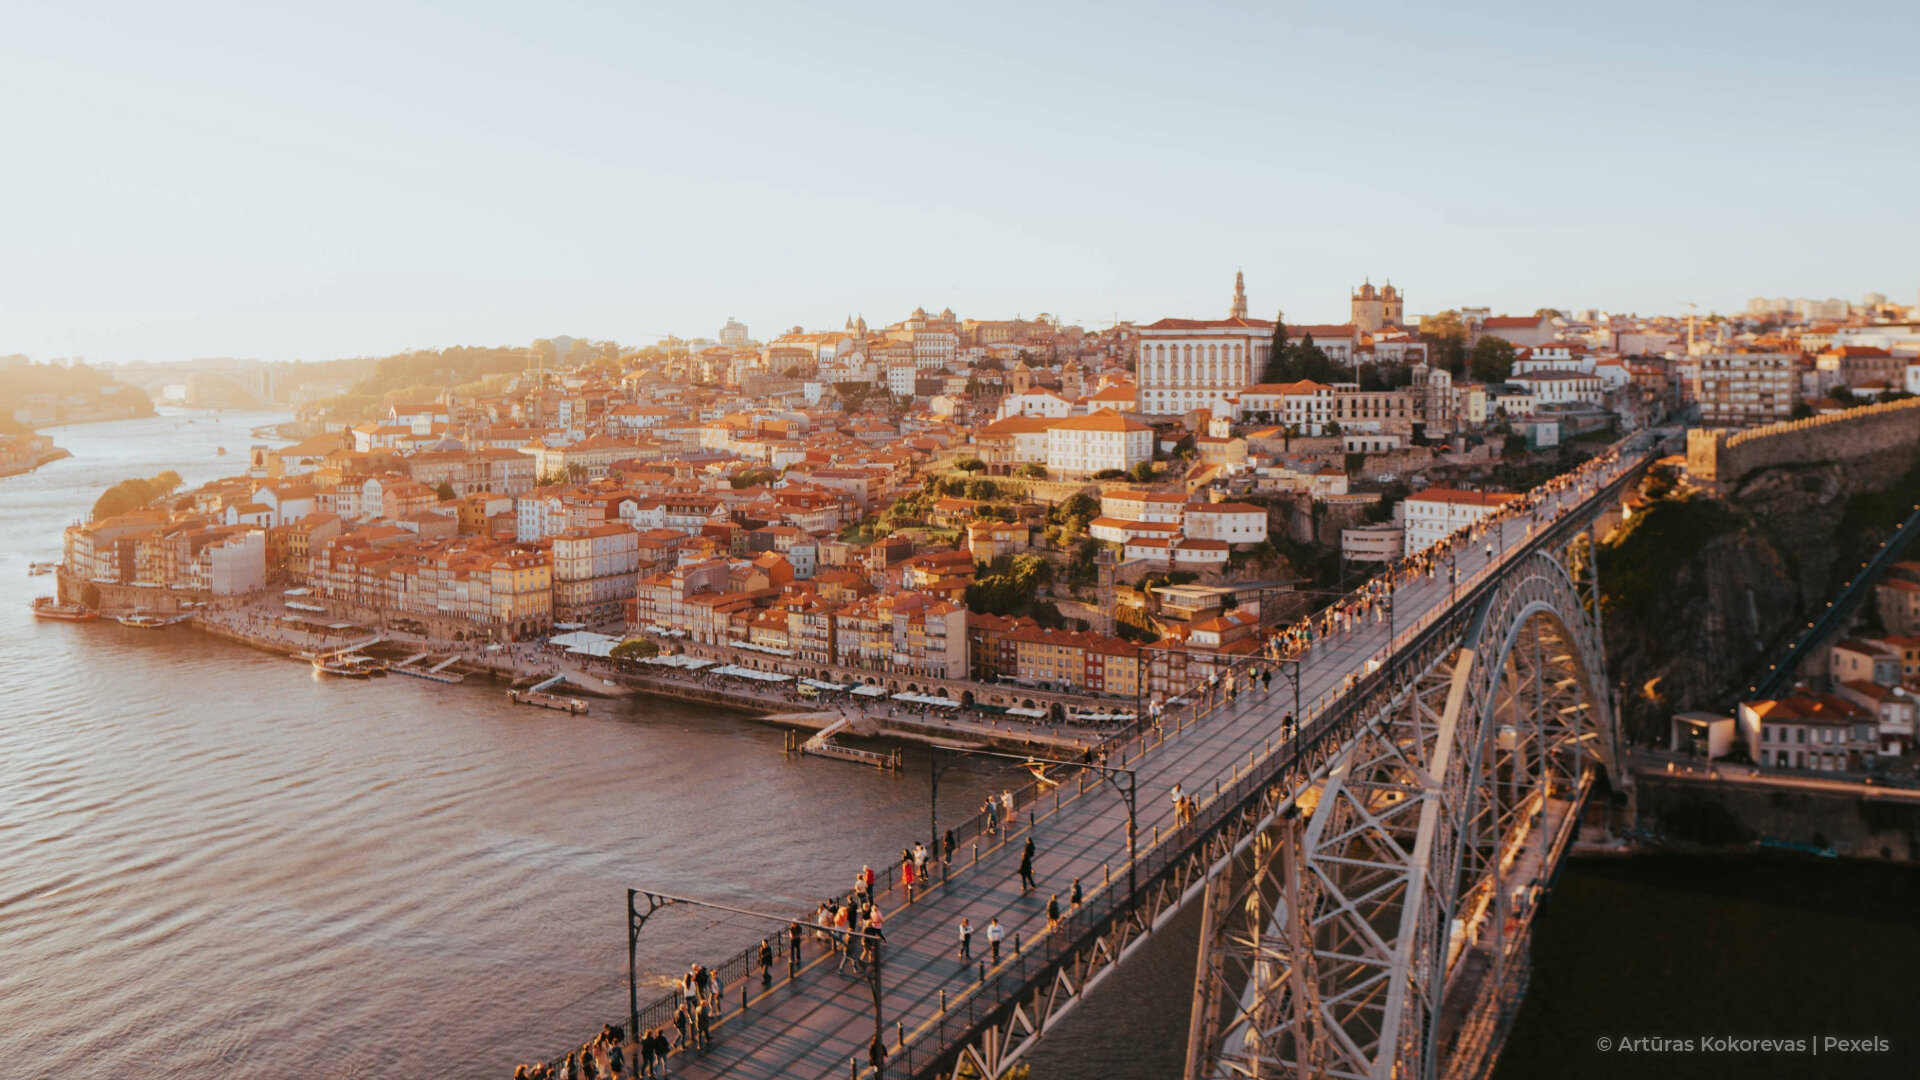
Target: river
212,863
212,860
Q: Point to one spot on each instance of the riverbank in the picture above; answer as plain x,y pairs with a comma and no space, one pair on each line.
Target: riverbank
250,625
22,468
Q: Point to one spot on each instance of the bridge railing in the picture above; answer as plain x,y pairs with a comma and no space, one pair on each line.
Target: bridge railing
1333,714
1326,716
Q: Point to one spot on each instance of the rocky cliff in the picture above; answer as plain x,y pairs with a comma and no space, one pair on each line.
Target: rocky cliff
1702,592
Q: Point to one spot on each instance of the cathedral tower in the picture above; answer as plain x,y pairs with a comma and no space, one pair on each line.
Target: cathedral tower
1239,296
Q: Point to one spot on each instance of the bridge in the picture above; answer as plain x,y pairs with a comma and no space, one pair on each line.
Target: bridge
1367,870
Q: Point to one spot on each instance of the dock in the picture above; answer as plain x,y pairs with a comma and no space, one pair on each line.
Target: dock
547,701
821,744
436,673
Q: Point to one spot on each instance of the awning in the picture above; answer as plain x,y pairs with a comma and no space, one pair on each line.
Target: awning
748,673
690,663
818,685
928,699
1037,714
870,691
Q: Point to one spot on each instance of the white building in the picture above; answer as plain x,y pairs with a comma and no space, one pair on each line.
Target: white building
237,564
1090,444
1435,513
1561,386
1307,407
1186,364
1235,523
900,377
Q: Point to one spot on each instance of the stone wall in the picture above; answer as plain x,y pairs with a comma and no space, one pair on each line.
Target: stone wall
1721,459
1869,824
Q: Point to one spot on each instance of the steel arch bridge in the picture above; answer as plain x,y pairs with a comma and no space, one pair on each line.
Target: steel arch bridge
1367,861
1379,927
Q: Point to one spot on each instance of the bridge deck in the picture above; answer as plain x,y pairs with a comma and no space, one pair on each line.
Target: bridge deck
812,1025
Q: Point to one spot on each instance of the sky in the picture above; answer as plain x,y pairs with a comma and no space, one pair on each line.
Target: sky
316,181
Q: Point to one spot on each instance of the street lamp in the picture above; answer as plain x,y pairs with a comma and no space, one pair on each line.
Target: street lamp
1110,773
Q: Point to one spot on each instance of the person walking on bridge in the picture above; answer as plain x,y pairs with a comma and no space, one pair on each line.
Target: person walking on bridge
766,962
947,845
966,940
877,1056
1026,866
994,933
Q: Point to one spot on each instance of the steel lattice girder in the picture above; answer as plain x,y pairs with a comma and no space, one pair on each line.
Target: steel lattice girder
1412,824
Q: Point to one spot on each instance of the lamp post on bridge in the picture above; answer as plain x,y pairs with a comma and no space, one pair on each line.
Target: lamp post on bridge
1110,773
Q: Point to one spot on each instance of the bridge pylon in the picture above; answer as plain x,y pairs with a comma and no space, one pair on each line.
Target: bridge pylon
1380,927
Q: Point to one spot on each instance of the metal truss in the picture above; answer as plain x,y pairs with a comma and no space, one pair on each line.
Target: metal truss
1366,938
1351,847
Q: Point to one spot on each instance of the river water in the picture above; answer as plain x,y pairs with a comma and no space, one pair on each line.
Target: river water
211,859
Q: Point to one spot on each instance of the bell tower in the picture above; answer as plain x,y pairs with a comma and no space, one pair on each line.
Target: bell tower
1239,296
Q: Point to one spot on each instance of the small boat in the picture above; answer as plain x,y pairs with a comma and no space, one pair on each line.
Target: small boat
143,621
219,449
38,568
348,666
46,607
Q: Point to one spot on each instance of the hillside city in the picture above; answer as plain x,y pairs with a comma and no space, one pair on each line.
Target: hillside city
974,512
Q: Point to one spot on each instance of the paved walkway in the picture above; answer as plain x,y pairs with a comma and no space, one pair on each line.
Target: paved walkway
812,1026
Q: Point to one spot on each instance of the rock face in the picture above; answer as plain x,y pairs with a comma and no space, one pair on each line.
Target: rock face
1695,611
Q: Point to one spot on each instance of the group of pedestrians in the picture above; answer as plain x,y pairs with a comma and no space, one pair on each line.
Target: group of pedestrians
608,1056
701,999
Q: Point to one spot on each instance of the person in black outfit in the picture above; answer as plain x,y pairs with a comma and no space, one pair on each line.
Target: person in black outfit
766,962
1077,896
948,845
1026,866
617,1053
793,950
877,1056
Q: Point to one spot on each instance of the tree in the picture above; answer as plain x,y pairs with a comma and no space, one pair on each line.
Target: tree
134,494
634,649
1446,339
1276,369
1143,472
970,464
1492,359
1032,470
445,492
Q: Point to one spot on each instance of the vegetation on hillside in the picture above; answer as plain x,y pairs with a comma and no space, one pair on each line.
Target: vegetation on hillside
1641,561
425,374
134,494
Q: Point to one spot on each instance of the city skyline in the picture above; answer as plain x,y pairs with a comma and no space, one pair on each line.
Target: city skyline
211,184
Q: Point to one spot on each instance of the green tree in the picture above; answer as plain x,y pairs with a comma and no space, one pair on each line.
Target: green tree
1032,470
1143,472
1492,359
970,464
1446,339
1276,370
445,492
133,494
634,649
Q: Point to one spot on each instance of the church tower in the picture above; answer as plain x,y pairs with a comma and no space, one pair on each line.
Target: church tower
1374,308
1239,296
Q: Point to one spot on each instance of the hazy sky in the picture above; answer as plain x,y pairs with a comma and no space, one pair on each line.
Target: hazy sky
188,179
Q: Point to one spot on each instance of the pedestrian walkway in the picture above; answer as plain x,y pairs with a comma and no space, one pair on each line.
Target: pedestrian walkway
821,1023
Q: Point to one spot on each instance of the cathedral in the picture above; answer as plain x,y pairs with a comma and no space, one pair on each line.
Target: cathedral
1375,308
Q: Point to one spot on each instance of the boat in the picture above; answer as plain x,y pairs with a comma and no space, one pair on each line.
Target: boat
46,607
38,568
143,621
348,666
219,449
546,701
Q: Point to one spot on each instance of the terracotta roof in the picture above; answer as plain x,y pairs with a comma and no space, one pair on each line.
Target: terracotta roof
1104,420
